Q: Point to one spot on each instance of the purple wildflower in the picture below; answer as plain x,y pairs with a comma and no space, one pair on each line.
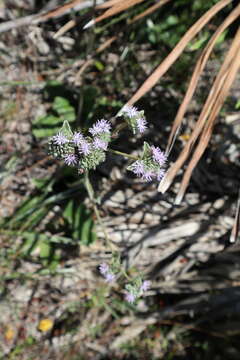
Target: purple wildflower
103,268
99,144
130,297
101,126
84,147
130,111
148,175
109,277
138,168
160,174
77,138
70,159
141,124
145,285
158,155
59,139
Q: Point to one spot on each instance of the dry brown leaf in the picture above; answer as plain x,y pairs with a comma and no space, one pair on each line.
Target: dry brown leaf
196,75
176,52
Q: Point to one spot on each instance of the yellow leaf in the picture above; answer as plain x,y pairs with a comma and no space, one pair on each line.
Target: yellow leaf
9,334
184,137
45,325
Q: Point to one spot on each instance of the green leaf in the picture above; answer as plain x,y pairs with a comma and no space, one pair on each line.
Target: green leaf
86,232
237,106
200,42
80,222
44,132
48,120
66,129
64,109
99,65
45,250
41,183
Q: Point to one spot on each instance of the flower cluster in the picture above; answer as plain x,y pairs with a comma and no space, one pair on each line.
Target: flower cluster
136,290
151,165
135,119
133,291
106,272
86,152
83,152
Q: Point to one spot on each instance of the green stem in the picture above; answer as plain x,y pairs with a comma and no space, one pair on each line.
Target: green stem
90,192
118,129
123,154
125,274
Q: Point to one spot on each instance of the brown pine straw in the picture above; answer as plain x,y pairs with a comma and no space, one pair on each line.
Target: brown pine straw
60,10
208,108
211,109
108,4
196,75
70,24
235,229
108,42
116,9
176,52
149,10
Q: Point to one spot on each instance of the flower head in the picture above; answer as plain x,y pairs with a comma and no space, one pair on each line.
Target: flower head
103,268
160,174
159,156
109,277
145,285
106,272
99,144
77,138
84,147
130,111
141,124
70,159
60,139
130,297
138,167
148,175
101,126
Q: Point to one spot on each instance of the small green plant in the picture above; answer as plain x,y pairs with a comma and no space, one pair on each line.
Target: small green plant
85,152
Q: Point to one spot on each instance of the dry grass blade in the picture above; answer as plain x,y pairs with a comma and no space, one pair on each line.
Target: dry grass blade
208,106
115,9
108,42
214,109
196,75
69,25
176,52
235,229
42,16
60,10
150,10
108,4
89,62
